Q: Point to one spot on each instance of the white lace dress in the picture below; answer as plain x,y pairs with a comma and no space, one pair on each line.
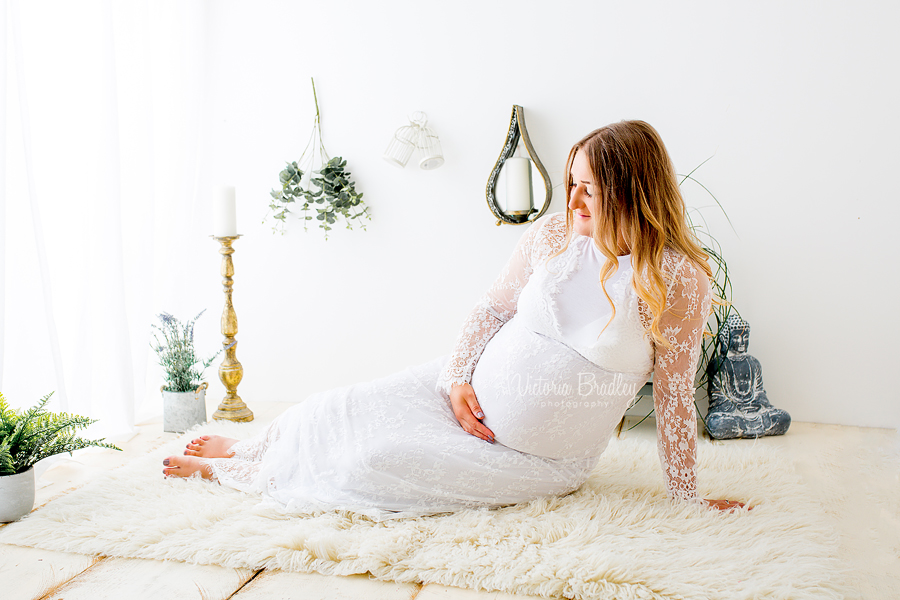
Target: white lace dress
552,378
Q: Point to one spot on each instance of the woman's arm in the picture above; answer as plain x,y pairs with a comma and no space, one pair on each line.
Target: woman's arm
494,309
688,303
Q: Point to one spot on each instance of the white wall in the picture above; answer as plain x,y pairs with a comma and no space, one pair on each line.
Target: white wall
796,101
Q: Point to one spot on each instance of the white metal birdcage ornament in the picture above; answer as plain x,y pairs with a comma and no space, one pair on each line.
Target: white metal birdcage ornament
416,136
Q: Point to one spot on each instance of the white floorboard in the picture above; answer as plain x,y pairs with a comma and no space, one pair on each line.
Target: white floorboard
132,579
28,573
280,585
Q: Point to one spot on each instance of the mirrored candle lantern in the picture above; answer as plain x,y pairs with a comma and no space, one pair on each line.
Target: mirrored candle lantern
515,181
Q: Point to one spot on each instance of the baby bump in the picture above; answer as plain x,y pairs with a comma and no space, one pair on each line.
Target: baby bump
541,397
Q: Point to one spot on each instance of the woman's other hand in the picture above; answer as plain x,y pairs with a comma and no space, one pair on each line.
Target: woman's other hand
468,413
725,504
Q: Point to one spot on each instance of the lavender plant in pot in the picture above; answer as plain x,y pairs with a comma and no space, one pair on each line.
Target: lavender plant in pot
27,437
184,391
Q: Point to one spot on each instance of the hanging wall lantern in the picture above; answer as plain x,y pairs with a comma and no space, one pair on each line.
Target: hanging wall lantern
514,177
415,136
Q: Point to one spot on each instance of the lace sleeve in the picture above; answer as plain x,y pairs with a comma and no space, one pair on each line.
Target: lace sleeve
688,303
498,305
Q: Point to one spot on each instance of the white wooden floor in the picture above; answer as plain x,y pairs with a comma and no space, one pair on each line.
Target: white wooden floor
870,546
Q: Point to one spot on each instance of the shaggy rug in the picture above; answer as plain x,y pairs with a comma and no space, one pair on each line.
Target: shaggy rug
616,537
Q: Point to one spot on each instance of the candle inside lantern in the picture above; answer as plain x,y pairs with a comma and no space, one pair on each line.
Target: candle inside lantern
518,184
224,212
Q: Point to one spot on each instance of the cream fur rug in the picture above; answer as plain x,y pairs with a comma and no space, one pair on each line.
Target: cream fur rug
617,537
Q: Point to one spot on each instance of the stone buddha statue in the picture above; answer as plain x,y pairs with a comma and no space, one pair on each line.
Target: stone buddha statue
738,406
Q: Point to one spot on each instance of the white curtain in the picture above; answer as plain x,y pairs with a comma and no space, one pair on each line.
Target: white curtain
101,111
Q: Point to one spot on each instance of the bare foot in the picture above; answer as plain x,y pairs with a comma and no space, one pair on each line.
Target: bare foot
210,446
185,466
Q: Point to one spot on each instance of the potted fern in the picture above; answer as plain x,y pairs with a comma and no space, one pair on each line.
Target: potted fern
184,391
27,437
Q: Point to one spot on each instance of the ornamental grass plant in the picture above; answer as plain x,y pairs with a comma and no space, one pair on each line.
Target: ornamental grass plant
721,288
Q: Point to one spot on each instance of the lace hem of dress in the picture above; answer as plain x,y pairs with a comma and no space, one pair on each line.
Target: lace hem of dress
239,474
241,470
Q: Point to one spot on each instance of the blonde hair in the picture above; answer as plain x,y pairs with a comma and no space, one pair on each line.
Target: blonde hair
639,197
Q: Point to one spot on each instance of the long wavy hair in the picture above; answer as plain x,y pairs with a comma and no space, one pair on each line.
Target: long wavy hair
639,197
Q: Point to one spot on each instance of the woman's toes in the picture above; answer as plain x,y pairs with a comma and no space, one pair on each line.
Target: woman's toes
210,446
195,447
169,466
180,466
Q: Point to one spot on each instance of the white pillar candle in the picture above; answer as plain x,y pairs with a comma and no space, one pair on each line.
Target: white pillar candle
518,184
224,212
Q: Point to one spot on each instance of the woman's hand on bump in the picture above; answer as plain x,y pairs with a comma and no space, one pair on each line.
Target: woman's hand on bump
726,504
468,412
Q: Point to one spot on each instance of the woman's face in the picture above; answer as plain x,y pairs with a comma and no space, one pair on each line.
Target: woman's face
584,195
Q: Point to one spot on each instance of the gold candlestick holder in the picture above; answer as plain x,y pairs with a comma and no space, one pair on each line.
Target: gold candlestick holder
232,408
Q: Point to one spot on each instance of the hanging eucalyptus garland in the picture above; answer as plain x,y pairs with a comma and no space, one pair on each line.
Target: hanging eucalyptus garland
331,194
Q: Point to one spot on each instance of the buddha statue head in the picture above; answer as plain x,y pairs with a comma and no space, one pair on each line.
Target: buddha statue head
734,336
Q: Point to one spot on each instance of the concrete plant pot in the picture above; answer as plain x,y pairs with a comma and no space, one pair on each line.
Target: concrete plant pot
16,495
183,410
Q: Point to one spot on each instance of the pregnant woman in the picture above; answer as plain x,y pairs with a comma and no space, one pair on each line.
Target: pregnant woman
591,303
